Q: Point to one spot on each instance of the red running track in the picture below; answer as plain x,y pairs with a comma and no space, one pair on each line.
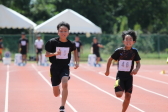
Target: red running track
28,89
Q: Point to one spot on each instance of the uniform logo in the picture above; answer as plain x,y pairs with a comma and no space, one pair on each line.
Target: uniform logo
66,74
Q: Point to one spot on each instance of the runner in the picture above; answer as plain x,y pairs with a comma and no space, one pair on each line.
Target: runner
95,50
126,56
79,46
59,52
23,47
39,47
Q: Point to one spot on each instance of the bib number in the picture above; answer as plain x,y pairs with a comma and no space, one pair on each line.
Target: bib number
77,44
23,43
125,65
64,52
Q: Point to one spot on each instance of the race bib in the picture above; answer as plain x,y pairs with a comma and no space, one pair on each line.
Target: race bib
23,43
64,52
77,44
125,65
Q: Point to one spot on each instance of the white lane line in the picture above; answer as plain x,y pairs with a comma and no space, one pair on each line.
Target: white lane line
74,110
104,91
138,87
151,79
7,90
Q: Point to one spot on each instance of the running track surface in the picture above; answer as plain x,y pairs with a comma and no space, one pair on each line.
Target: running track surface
28,89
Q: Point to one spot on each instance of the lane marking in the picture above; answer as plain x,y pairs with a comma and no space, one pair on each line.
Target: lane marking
137,76
152,79
104,91
7,90
138,87
74,110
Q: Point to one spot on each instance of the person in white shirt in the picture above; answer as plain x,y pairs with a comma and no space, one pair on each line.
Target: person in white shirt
39,47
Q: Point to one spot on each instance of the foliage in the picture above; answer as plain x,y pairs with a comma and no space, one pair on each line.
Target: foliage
113,16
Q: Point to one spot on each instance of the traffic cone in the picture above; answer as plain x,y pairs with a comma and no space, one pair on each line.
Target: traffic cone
162,72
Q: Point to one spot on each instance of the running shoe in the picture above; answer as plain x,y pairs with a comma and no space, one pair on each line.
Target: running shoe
62,109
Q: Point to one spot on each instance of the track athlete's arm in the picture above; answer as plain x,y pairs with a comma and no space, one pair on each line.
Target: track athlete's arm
76,60
135,71
27,46
91,50
108,66
101,46
48,54
19,48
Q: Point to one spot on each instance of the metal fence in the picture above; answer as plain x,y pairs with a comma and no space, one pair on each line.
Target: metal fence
146,43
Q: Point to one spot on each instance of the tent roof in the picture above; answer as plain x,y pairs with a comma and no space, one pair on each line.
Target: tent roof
78,23
12,19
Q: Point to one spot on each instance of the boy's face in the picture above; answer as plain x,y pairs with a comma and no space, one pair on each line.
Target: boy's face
23,36
95,40
128,41
76,38
38,38
63,32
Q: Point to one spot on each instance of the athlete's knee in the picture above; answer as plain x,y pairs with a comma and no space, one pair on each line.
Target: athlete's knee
64,81
119,94
56,91
127,96
56,94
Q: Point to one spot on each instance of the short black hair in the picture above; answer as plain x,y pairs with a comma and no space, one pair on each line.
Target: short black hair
131,33
63,24
22,33
95,38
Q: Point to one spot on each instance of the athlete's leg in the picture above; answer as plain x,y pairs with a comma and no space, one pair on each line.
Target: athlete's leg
26,58
40,57
119,94
0,56
126,101
37,59
64,89
97,60
56,91
23,58
128,91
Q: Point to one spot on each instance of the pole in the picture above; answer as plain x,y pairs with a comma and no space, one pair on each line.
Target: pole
158,46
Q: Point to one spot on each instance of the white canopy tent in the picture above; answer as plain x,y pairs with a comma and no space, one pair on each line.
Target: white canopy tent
12,19
78,23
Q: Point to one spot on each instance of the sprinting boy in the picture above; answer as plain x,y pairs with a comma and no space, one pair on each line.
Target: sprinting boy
126,56
59,52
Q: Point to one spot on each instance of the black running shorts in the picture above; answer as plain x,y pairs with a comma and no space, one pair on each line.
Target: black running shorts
57,73
97,54
124,83
23,51
39,51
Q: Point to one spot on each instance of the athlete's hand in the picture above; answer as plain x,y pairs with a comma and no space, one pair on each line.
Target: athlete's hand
107,73
76,66
58,52
134,72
